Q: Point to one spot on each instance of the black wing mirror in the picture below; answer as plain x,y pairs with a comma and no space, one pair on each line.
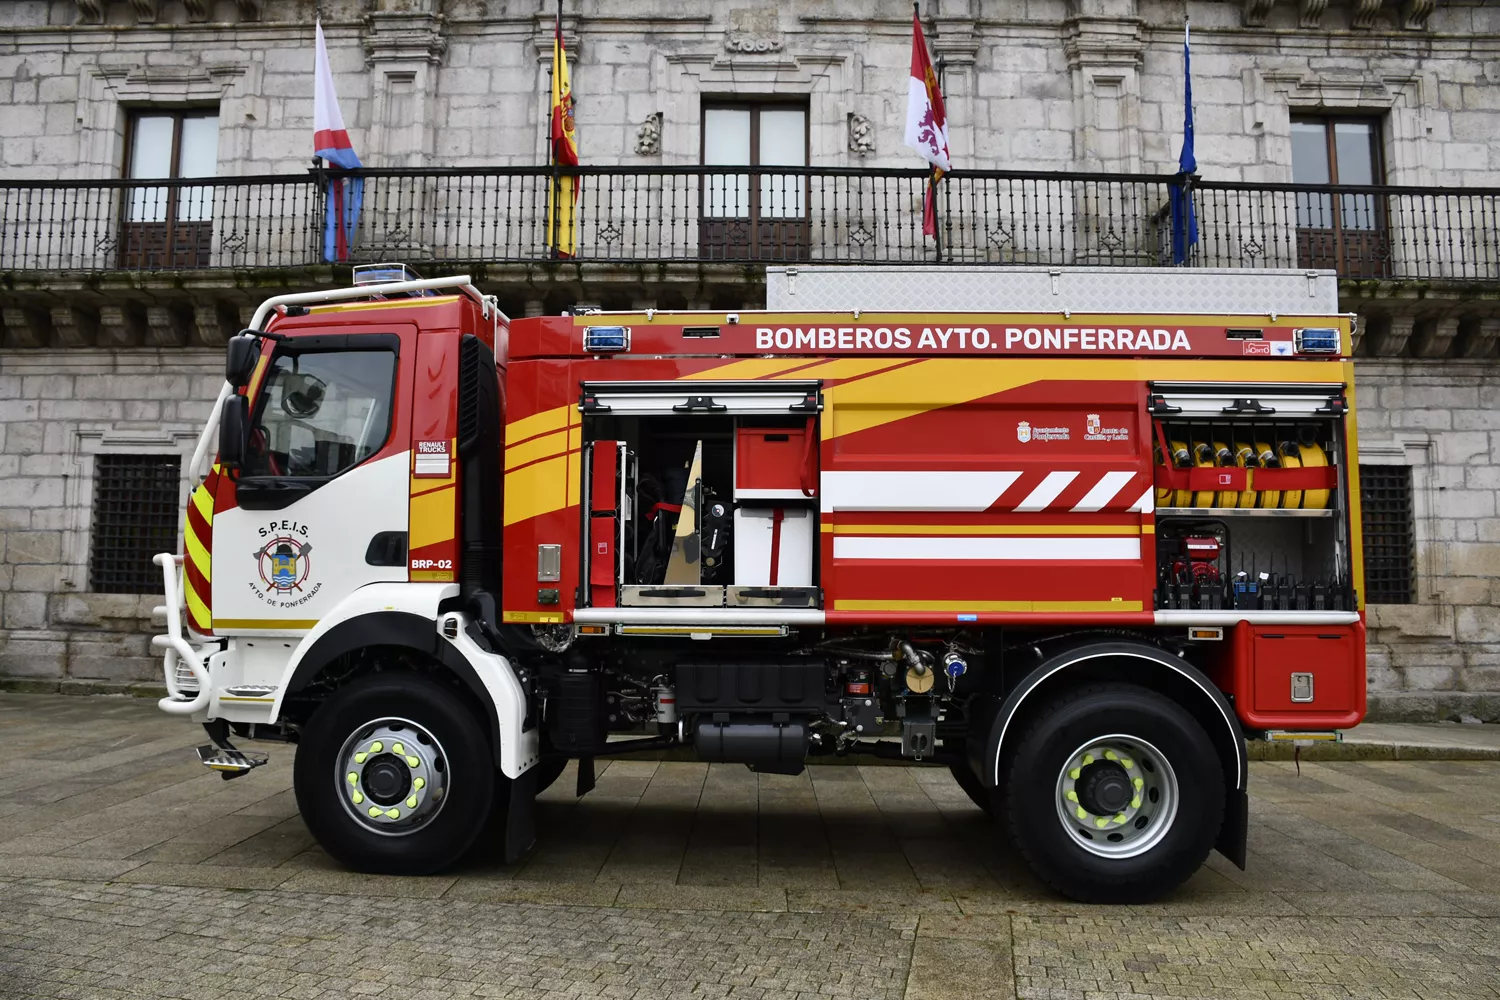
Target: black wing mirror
240,358
234,421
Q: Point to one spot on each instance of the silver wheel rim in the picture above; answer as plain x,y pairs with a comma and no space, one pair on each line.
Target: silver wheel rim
1105,826
392,776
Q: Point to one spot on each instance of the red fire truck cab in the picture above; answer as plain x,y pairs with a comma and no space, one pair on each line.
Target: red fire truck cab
1070,542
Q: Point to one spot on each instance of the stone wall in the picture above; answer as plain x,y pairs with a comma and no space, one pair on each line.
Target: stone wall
1041,84
58,409
1440,655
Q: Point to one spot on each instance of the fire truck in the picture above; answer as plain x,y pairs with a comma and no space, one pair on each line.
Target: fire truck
1075,534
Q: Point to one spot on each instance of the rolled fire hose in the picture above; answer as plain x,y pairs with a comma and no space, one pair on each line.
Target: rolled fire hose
1313,457
1266,455
1291,458
1224,459
1246,458
1181,459
1203,458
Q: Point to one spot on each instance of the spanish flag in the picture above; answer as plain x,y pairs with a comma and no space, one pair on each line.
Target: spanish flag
563,203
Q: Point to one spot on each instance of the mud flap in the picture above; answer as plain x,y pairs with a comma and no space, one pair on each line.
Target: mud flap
520,817
1235,831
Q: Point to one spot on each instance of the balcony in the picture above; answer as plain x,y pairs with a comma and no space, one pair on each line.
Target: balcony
714,215
1420,264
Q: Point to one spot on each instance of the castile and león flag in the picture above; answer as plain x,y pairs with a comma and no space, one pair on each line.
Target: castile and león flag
926,122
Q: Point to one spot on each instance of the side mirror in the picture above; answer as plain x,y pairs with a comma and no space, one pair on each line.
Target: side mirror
234,421
240,358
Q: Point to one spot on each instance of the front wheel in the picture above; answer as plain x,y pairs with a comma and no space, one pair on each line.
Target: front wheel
394,775
1115,793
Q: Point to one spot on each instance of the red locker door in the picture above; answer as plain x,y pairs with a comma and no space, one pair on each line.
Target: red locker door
604,522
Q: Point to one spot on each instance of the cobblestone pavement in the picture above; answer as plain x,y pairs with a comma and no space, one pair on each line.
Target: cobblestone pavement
128,871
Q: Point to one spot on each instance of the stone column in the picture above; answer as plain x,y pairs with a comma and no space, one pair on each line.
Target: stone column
955,45
404,45
1103,43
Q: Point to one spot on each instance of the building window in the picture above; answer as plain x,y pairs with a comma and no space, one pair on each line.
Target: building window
1385,499
136,509
1347,232
760,214
170,227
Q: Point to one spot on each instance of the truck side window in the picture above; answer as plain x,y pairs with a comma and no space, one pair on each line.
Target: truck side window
320,414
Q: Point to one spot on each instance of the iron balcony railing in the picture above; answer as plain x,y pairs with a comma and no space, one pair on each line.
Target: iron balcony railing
630,215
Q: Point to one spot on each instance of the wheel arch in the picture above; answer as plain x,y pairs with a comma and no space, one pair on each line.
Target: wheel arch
1000,718
399,630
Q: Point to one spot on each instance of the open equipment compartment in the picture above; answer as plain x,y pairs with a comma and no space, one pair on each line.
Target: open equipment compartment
700,494
1251,486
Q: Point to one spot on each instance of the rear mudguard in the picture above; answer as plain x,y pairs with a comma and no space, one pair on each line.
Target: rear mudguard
991,721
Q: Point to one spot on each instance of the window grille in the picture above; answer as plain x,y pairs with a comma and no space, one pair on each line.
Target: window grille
1385,498
135,517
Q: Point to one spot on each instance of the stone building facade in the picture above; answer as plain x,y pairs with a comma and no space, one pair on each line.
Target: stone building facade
107,356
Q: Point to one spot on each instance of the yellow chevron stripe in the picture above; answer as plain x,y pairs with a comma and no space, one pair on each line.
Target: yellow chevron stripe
204,502
554,419
538,447
749,368
936,383
197,611
537,489
432,517
844,368
197,553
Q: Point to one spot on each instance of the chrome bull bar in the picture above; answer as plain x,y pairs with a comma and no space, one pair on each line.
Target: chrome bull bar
178,651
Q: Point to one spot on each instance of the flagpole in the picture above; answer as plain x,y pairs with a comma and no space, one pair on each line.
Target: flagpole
552,192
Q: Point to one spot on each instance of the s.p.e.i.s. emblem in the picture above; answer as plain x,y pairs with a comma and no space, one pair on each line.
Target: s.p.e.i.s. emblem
284,564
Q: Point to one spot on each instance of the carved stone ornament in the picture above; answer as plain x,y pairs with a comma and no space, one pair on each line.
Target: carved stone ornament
1415,13
753,30
91,11
743,44
1310,12
197,10
145,11
648,136
1256,11
861,135
1365,12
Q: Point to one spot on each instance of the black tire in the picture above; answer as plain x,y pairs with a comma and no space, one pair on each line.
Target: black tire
1043,749
468,762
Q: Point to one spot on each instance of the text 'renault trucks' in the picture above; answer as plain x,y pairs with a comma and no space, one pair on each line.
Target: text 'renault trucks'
1074,534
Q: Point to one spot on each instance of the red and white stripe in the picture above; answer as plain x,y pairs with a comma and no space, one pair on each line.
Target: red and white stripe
1032,491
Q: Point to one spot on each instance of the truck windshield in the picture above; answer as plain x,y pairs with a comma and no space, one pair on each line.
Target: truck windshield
321,414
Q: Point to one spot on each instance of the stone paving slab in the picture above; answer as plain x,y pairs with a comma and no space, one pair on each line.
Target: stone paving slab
1367,878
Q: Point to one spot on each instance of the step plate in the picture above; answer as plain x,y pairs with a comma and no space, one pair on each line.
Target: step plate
231,761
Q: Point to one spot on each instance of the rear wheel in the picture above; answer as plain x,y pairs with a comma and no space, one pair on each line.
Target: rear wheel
1116,794
394,774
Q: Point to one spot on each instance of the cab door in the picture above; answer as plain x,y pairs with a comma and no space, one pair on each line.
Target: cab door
320,505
